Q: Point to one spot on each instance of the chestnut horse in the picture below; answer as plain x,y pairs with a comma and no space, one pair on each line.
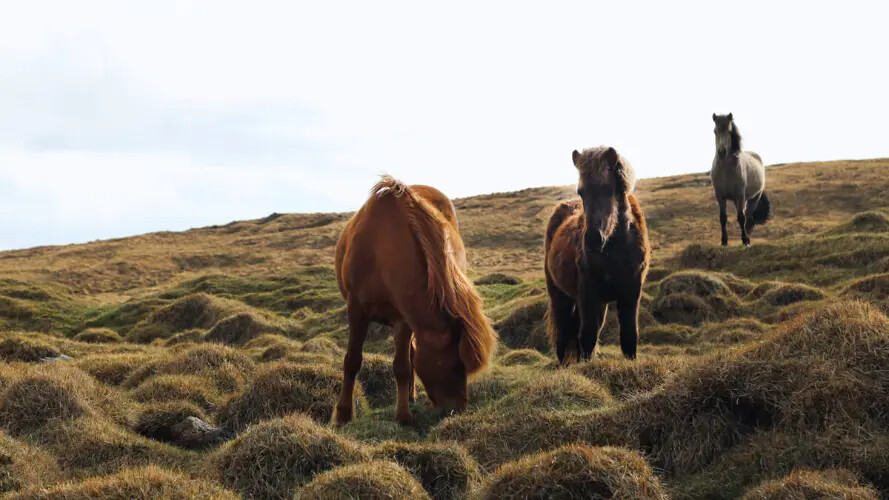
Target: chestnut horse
596,252
400,261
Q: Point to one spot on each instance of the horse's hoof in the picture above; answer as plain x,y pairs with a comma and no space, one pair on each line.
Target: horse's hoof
405,420
342,417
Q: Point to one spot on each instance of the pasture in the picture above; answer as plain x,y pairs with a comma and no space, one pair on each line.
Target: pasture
760,371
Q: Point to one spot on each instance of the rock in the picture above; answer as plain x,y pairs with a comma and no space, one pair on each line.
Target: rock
60,357
193,433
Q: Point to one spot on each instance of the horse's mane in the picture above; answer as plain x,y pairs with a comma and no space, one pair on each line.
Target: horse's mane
590,158
447,285
736,138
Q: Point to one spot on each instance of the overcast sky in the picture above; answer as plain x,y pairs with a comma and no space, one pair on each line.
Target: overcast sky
119,118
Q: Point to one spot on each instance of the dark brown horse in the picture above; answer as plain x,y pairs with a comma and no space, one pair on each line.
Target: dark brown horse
400,261
596,252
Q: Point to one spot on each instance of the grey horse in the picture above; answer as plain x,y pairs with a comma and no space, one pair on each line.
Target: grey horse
738,176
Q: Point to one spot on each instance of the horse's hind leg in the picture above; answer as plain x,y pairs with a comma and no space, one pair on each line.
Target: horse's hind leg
723,219
403,368
741,205
563,319
358,324
752,203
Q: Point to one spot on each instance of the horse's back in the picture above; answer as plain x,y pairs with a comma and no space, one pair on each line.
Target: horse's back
380,263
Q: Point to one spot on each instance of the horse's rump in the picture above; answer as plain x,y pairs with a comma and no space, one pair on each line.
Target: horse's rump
448,287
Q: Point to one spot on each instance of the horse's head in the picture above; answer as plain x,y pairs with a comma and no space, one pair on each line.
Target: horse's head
443,373
728,139
605,179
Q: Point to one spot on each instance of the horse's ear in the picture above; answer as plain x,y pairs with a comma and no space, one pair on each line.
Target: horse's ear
610,157
729,117
575,157
714,117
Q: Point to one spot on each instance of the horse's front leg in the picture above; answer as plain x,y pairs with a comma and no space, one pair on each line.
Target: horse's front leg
628,316
358,324
592,317
723,219
742,220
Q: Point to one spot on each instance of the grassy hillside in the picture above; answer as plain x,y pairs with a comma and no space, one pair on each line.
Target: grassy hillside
762,369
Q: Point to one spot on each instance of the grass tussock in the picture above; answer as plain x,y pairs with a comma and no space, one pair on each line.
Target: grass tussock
194,335
376,479
23,466
156,420
171,388
144,483
377,379
239,328
283,388
445,470
525,325
815,485
113,369
576,472
26,348
625,378
522,357
498,279
228,369
98,336
274,458
198,310
56,392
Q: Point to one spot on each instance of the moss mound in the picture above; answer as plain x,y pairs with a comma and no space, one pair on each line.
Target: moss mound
55,392
171,388
803,484
197,310
156,420
445,470
239,328
22,348
576,472
112,369
272,459
98,336
283,388
321,345
792,293
146,483
377,479
525,326
498,279
377,379
522,357
23,466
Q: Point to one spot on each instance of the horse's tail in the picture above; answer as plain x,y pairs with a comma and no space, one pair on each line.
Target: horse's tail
763,210
447,285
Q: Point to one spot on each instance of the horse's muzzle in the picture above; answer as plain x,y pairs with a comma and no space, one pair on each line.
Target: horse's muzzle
721,152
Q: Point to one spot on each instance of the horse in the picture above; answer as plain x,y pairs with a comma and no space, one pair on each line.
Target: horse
596,252
738,176
400,261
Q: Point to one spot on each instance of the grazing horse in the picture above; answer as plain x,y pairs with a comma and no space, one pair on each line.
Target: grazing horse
400,261
738,176
597,252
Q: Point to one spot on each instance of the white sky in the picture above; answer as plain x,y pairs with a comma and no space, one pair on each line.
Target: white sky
119,118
